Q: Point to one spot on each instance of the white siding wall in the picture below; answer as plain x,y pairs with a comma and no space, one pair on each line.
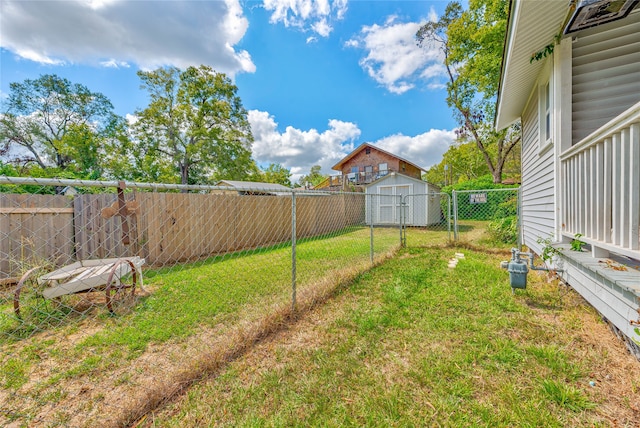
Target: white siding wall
606,74
537,181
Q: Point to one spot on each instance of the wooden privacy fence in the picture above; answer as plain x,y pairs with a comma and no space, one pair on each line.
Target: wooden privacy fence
164,228
35,229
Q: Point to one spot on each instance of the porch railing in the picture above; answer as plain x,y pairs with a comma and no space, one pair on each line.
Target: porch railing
354,178
600,187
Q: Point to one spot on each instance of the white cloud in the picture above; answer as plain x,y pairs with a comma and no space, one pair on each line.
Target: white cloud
322,27
112,63
297,149
307,15
424,150
108,32
393,58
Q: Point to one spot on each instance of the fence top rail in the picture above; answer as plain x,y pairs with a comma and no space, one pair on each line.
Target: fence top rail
488,190
62,182
430,194
95,183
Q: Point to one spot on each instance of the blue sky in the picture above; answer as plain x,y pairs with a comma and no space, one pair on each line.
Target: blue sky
318,77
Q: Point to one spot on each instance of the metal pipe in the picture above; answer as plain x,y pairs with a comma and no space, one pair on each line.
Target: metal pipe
517,254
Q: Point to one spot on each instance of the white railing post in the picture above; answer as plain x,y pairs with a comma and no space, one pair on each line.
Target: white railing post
634,190
601,187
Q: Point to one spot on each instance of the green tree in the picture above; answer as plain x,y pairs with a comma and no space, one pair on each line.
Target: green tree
56,124
276,173
471,42
461,162
314,178
195,128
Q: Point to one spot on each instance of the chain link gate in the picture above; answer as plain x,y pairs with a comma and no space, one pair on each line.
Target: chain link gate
489,215
428,213
485,215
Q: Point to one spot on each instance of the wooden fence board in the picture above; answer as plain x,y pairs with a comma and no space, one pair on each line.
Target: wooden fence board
166,228
34,228
98,237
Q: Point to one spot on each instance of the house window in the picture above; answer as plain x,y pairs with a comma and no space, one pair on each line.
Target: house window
383,169
545,112
367,150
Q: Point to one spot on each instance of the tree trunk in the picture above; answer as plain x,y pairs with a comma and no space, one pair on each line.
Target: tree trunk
497,174
184,176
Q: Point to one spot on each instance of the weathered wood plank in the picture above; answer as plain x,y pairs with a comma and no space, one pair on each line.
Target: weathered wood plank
34,228
36,210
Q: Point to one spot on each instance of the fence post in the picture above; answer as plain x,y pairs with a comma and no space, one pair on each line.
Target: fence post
403,226
454,196
370,227
448,216
400,217
293,252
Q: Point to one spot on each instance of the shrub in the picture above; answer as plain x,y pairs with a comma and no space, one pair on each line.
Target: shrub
504,229
498,205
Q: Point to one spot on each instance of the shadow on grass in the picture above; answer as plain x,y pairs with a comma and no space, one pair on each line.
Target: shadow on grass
40,314
151,272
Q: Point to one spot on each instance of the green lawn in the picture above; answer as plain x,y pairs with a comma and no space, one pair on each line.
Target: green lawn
86,344
414,343
409,342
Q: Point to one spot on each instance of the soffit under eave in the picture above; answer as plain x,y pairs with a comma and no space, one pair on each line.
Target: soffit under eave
533,25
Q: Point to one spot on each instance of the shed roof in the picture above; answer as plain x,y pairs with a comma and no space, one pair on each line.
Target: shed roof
363,146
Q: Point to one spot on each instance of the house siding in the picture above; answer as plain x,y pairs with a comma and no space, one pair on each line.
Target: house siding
376,157
594,78
537,181
606,74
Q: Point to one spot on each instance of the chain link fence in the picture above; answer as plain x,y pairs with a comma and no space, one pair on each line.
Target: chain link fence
426,219
115,297
489,216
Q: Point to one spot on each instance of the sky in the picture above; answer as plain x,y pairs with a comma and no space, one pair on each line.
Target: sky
317,77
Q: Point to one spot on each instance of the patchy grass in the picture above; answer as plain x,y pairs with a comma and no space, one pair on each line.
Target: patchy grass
407,343
414,343
187,307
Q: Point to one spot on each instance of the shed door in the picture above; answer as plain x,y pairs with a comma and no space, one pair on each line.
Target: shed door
387,205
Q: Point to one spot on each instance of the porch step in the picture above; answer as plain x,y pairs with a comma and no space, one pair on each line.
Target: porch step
621,271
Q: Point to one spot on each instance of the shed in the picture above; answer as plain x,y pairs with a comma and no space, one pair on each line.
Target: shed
422,201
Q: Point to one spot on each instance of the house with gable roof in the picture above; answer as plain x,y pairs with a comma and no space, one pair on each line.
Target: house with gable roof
365,164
